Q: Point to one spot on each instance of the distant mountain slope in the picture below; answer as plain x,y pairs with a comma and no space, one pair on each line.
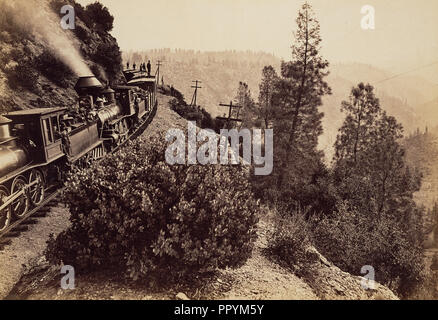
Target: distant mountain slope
429,111
392,98
220,72
404,97
422,153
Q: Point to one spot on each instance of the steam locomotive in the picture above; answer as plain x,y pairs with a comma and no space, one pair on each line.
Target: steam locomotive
38,145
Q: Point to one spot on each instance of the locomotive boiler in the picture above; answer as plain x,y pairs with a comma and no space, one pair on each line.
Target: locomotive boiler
12,156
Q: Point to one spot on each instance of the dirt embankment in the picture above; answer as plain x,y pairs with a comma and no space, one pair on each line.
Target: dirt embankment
27,249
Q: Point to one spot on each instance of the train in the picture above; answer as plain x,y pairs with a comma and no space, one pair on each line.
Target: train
38,146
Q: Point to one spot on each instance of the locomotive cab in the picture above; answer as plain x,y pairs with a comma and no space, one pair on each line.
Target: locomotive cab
42,127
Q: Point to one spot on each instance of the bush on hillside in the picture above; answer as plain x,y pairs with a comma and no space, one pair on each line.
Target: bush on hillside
200,115
82,33
290,240
100,16
80,12
22,75
109,57
351,240
135,214
317,193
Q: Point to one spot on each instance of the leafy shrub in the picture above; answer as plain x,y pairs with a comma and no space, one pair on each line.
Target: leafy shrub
22,75
80,11
200,115
20,68
135,214
100,16
317,192
171,91
352,239
81,33
290,240
109,57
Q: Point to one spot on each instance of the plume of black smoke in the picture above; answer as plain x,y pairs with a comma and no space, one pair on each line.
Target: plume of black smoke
37,18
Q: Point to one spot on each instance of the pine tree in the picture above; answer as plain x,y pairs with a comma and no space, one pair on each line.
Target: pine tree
356,133
297,122
374,192
303,79
247,110
369,165
267,88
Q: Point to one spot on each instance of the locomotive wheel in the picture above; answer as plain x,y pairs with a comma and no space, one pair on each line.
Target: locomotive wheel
20,205
37,191
5,214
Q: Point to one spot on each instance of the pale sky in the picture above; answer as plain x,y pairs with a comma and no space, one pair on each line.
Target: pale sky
405,35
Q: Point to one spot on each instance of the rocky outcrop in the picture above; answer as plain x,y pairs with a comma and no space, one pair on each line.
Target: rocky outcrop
318,278
330,282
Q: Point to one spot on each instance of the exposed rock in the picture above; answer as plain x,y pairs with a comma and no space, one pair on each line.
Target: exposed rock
182,296
330,282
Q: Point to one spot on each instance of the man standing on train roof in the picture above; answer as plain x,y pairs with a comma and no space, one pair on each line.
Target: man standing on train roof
127,65
149,68
134,65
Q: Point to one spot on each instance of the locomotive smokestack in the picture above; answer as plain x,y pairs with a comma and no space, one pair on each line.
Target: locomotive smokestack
88,85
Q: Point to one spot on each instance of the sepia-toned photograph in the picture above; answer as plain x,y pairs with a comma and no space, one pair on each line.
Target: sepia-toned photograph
216,151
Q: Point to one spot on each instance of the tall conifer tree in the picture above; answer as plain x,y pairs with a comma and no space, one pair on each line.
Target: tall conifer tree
297,122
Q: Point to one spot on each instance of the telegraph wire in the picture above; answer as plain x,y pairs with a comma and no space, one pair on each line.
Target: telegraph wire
406,72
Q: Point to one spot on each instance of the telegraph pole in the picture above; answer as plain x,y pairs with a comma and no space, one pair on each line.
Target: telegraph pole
195,94
231,107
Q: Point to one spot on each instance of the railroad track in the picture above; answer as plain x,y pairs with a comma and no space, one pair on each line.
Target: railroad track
22,224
